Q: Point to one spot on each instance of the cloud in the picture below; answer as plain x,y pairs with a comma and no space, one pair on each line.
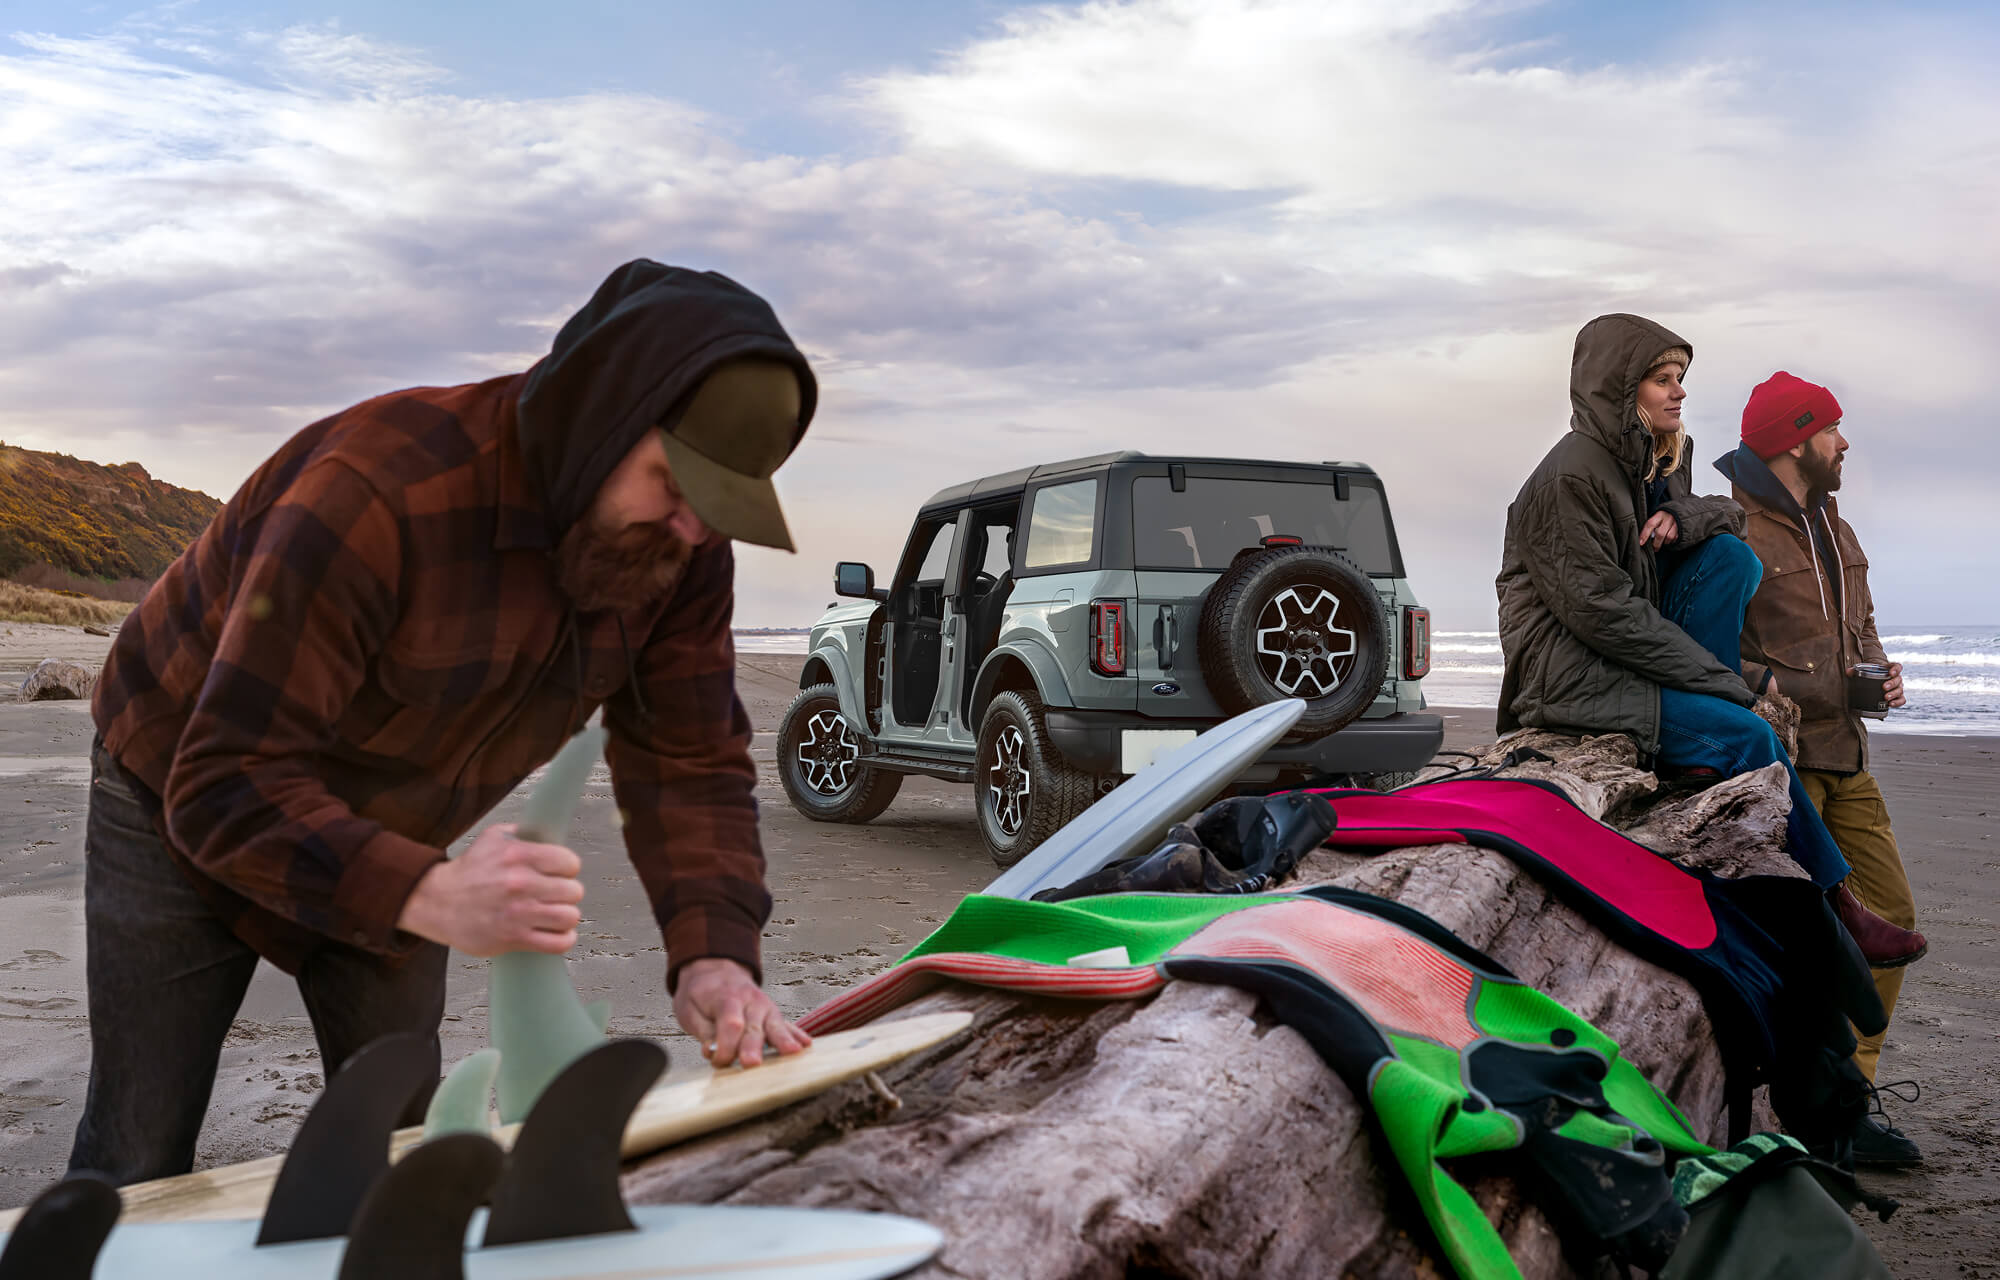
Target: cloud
1458,198
305,215
1223,226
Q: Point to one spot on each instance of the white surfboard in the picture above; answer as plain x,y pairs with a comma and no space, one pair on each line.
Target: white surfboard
1134,816
673,1242
673,1112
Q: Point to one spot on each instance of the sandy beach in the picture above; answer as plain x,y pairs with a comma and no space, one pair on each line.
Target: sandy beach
852,899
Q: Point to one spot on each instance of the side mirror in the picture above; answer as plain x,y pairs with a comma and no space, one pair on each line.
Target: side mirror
851,578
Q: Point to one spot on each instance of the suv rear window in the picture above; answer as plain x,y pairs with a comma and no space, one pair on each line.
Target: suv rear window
1204,525
1060,529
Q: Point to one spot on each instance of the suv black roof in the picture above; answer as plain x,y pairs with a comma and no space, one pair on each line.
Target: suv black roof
1013,481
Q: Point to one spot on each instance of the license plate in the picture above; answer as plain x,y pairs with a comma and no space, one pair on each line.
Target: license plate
1138,748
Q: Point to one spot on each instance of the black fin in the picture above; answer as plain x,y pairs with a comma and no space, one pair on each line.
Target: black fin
61,1231
343,1147
562,1175
411,1225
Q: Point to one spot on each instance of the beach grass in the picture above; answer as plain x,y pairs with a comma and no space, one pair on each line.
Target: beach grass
20,603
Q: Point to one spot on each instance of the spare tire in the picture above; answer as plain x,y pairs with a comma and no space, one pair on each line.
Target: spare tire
1294,622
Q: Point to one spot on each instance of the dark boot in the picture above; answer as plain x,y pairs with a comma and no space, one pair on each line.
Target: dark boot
1883,1146
1685,779
1883,945
1879,1144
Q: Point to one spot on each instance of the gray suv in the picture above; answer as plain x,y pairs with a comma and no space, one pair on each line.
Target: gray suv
1050,631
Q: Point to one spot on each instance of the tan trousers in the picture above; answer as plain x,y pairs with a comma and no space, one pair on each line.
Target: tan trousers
1854,811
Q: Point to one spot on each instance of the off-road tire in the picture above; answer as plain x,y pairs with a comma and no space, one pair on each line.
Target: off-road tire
1295,622
1014,748
1388,781
819,762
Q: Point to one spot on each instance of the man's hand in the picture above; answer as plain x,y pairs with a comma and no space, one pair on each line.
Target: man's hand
500,895
1892,688
721,1005
1661,530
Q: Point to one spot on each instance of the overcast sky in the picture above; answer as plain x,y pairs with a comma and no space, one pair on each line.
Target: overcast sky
1283,228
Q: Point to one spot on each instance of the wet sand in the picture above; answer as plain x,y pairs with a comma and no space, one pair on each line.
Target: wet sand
852,899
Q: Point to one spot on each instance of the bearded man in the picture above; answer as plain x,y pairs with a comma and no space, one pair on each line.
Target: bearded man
409,607
1811,621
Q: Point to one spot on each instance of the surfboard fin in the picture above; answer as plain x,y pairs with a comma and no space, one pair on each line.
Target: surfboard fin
535,1017
411,1225
463,1102
561,1177
343,1146
59,1235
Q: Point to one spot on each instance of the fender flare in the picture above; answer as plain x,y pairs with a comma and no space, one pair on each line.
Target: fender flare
1043,669
828,664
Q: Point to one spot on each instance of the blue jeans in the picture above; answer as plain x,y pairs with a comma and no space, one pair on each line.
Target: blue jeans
1704,592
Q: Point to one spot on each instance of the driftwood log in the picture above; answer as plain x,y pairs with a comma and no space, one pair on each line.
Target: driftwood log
1191,1135
58,678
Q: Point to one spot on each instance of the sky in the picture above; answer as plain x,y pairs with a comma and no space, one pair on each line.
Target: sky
1009,234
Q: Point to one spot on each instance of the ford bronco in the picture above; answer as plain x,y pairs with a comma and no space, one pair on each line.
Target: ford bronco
1050,631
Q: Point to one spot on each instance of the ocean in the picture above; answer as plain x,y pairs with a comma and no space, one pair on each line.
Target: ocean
1951,674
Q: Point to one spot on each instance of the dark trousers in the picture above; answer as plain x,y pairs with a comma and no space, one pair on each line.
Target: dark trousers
166,978
1704,592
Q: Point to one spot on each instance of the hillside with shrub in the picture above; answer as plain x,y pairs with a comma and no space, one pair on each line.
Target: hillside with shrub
109,525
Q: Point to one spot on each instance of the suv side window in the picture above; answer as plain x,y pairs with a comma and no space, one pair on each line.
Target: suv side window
918,590
933,566
999,551
1062,528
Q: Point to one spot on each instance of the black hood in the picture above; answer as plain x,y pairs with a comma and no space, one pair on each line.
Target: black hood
622,364
1743,467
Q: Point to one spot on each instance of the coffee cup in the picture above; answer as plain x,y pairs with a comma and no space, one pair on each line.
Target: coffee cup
1864,690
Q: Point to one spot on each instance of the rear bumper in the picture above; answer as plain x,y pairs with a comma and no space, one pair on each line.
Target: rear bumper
1391,744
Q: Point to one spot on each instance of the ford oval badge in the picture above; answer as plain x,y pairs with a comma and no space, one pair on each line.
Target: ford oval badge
1166,687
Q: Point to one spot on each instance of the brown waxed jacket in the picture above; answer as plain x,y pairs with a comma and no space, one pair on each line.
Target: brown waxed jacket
1806,634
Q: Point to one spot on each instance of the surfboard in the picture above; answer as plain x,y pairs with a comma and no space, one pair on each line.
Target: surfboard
671,1113
672,1242
1133,817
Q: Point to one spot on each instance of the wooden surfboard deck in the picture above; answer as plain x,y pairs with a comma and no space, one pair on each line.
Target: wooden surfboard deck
1133,817
673,1242
671,1113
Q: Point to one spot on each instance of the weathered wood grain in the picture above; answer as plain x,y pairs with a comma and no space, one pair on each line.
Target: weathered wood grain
1191,1135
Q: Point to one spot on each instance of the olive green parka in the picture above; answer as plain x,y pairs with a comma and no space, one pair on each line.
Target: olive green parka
1586,646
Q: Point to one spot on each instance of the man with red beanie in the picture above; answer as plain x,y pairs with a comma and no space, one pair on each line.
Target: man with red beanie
1811,621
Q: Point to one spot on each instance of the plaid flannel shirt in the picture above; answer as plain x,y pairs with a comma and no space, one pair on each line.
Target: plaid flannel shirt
365,652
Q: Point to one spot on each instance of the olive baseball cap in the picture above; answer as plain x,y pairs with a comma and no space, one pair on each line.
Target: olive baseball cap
727,440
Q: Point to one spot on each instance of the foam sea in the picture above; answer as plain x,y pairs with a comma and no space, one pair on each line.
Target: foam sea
773,640
1951,673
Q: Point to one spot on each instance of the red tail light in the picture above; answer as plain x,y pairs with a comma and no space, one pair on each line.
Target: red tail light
1107,637
1416,643
1283,540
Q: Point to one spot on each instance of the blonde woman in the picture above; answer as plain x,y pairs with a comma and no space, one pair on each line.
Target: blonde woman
1622,594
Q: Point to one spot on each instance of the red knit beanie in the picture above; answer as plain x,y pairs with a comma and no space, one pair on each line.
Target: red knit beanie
1784,411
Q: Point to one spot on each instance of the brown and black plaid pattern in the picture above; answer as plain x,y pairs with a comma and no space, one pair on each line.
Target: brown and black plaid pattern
365,652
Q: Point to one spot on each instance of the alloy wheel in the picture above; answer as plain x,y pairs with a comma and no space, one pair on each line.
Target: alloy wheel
828,754
1300,646
1009,785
